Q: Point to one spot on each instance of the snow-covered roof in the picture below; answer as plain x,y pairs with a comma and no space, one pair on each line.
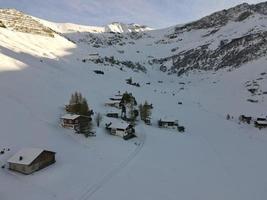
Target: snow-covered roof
118,124
261,122
166,119
70,116
28,155
112,102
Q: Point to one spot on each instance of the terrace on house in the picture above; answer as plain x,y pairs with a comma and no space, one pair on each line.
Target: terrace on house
29,160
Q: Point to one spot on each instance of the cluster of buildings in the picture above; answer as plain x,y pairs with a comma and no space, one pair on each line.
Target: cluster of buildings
259,122
29,160
115,123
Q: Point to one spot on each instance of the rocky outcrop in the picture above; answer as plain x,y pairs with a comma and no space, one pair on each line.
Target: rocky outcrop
221,18
18,21
232,53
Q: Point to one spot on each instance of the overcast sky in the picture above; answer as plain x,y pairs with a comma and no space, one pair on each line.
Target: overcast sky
154,13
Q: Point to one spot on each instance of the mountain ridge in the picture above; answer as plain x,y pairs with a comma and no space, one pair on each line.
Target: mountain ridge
227,38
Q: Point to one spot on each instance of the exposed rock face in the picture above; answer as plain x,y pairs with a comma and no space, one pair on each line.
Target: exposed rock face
221,18
232,54
18,21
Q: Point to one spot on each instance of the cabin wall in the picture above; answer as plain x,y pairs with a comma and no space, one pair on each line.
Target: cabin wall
44,160
24,169
118,132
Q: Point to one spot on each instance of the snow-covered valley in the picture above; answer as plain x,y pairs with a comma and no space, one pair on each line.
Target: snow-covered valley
214,158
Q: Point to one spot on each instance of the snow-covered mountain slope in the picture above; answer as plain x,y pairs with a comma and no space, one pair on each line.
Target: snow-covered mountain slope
214,159
227,38
118,27
115,27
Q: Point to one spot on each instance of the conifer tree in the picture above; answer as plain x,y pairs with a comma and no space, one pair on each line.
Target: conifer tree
78,105
145,111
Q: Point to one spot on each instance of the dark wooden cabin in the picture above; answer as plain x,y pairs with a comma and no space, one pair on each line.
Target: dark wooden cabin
70,121
260,123
245,119
167,124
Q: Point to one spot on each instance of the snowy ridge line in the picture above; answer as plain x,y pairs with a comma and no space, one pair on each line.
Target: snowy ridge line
94,188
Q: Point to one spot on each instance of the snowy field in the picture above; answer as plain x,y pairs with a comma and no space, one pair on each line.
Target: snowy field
214,159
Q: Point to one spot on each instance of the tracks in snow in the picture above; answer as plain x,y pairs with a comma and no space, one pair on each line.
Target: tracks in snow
91,190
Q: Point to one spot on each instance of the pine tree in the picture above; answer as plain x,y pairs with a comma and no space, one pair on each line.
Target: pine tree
85,126
145,111
78,104
84,109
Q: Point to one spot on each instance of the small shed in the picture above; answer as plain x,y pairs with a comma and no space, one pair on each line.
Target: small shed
261,123
115,99
70,120
115,104
93,56
119,128
29,160
246,119
168,123
113,115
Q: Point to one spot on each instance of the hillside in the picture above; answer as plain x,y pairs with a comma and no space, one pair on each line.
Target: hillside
228,38
214,158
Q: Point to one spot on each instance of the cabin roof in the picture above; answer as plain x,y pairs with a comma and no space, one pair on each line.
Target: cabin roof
28,156
166,120
112,102
70,116
261,122
116,124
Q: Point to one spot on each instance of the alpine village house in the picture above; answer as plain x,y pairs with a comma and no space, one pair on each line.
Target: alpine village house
29,160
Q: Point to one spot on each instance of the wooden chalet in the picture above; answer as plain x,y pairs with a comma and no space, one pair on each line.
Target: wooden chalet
70,121
29,160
